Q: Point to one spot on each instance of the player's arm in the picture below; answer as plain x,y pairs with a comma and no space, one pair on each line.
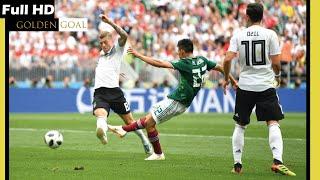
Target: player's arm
152,61
276,67
226,67
275,56
221,70
123,34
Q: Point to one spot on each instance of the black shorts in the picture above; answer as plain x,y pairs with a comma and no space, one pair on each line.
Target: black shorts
110,98
266,102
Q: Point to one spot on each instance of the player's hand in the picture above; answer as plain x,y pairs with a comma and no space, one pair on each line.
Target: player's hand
225,85
234,85
132,51
105,19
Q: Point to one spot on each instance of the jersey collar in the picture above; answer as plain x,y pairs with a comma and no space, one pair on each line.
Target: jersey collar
111,51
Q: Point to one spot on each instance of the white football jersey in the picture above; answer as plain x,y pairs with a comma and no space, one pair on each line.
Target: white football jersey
255,44
107,72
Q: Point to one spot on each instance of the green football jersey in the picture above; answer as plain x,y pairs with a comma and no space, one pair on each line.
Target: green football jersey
192,71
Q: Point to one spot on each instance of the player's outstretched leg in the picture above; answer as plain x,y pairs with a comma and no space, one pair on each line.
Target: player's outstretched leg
276,146
145,122
237,147
102,126
145,142
121,131
128,119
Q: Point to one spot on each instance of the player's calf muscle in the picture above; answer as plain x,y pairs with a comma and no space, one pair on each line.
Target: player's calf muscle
149,122
127,118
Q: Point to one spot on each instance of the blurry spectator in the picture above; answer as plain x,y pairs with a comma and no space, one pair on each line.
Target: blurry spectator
275,9
34,83
224,6
297,83
97,11
287,9
87,83
299,56
155,85
48,82
283,83
220,81
165,84
66,82
148,41
138,84
12,82
286,50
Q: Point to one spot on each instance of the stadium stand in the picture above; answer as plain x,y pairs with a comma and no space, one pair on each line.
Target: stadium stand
67,59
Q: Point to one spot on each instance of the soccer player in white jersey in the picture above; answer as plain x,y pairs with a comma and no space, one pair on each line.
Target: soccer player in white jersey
107,93
259,58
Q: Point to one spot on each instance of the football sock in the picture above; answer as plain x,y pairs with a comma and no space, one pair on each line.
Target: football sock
102,123
140,124
154,139
275,141
143,137
238,142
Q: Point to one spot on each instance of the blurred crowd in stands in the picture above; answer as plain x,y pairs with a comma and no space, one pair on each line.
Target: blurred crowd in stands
154,27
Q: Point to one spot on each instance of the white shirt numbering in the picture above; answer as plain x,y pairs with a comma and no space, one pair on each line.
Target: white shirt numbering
255,44
107,72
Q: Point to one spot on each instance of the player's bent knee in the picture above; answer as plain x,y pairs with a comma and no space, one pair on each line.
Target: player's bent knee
100,112
149,122
241,126
273,122
151,128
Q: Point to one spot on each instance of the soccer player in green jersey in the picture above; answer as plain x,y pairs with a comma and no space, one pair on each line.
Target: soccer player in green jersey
192,70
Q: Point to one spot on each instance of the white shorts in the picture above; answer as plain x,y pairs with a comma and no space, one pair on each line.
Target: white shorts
166,109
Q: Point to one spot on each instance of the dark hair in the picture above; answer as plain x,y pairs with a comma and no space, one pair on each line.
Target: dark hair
186,45
255,12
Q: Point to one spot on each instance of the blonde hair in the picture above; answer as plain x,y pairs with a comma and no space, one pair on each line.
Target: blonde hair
105,35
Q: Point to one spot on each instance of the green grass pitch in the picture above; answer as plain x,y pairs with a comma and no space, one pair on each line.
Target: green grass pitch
197,146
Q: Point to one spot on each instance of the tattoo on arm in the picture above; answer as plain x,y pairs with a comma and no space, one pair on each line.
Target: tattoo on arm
123,34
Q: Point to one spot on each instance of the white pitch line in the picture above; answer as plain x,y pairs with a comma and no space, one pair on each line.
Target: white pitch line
162,134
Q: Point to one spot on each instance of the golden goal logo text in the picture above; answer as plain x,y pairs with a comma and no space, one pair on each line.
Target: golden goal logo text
73,24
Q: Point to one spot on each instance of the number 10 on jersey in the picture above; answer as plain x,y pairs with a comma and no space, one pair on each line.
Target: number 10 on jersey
254,47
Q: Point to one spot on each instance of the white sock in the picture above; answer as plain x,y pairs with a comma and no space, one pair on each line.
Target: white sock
141,135
102,123
275,141
238,143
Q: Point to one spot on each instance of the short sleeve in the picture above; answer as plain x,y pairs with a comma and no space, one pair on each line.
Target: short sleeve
118,47
274,44
233,44
177,65
210,64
